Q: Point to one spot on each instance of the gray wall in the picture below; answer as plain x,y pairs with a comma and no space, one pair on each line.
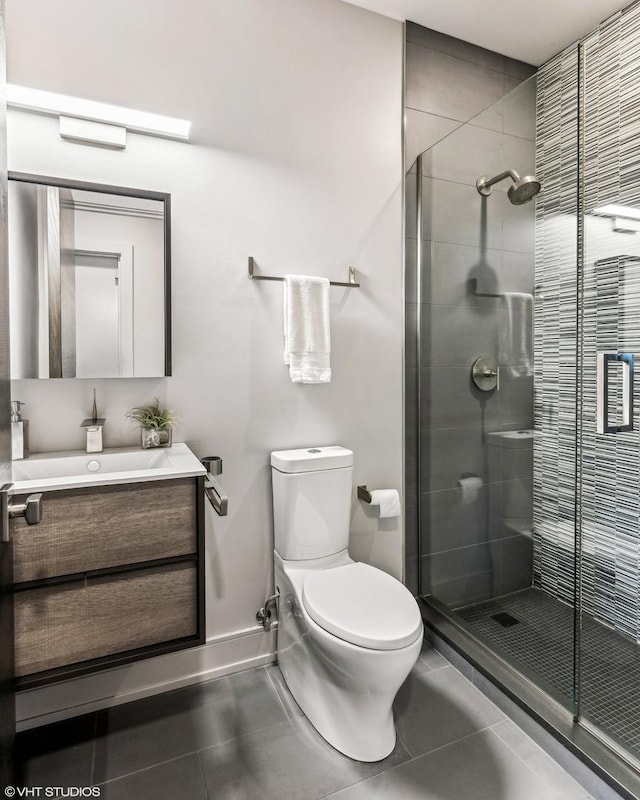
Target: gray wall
468,550
447,82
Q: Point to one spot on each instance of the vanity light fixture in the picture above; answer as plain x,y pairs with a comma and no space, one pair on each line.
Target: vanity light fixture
89,132
103,123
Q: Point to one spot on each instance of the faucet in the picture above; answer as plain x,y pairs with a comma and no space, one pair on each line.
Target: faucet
93,426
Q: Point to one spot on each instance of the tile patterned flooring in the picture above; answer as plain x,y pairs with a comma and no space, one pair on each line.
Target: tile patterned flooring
243,737
541,647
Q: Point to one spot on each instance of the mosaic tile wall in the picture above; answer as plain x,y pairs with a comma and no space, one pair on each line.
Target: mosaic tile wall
610,463
555,326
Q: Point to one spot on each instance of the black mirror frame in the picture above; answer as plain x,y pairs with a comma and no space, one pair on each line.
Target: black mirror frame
164,197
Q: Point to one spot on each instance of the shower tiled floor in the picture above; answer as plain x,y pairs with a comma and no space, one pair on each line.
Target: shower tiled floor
540,645
243,738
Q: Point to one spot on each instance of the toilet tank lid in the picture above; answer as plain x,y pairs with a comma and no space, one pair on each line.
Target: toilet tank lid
309,459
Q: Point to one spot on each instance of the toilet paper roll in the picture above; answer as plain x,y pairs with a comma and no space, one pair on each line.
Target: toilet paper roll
470,489
388,500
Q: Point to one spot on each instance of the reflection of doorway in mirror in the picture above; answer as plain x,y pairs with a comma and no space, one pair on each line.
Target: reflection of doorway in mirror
103,311
48,224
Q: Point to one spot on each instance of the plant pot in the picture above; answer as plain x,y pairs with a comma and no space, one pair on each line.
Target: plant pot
154,437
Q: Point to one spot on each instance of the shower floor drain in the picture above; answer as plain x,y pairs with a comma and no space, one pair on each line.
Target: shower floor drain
505,619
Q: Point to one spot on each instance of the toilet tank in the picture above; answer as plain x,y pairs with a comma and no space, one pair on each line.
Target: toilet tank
311,501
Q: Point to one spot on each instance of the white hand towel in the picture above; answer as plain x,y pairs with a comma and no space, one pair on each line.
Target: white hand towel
307,338
517,334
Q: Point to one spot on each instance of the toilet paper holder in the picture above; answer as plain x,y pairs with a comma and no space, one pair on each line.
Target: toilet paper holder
364,494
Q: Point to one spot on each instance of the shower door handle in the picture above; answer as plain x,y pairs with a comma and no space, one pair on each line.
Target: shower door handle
602,392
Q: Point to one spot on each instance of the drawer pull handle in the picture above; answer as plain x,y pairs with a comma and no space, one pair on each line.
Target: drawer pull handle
31,509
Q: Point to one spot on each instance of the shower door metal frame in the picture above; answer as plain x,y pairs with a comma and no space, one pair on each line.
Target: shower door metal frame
577,540
419,263
615,771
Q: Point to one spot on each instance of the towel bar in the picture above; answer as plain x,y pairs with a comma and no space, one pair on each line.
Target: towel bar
216,496
473,289
351,283
213,490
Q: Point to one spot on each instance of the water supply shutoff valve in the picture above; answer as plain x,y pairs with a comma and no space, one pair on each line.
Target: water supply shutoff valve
264,615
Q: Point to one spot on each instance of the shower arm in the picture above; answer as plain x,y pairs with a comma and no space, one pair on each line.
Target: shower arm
486,183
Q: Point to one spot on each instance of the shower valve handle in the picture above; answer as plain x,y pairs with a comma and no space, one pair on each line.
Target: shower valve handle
493,373
485,373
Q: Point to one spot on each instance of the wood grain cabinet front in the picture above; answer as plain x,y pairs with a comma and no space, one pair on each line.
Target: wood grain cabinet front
86,620
106,526
111,574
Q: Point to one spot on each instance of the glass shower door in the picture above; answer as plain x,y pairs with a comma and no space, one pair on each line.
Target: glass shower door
609,675
553,589
609,464
496,469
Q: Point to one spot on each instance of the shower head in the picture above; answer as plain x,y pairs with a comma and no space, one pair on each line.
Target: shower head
521,191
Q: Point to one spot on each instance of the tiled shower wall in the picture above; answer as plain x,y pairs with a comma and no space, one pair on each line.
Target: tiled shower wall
447,82
610,464
464,546
555,330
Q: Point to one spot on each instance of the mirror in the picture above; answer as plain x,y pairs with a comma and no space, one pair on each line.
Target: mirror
89,280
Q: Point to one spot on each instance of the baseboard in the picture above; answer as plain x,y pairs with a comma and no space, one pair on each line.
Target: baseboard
221,655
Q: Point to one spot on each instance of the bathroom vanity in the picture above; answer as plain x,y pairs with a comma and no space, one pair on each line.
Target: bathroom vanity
114,571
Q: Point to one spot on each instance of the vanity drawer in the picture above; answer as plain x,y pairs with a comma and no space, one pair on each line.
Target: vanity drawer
107,526
74,622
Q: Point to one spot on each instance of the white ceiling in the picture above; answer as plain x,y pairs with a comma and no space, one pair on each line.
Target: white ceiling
529,30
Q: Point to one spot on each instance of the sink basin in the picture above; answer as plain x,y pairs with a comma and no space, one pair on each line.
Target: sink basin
48,471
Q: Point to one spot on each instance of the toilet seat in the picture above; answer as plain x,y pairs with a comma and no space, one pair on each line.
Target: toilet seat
362,605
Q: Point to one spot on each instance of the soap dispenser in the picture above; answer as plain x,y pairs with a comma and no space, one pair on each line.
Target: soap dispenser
93,426
19,432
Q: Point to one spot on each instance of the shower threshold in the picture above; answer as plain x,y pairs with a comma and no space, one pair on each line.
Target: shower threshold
530,660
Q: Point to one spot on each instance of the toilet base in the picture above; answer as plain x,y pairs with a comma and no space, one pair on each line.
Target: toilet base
345,691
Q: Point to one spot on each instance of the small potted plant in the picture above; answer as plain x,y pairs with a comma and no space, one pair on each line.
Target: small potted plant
156,424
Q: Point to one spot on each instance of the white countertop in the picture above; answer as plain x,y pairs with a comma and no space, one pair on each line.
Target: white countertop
75,469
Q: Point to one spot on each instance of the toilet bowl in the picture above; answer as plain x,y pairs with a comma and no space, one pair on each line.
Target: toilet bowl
348,633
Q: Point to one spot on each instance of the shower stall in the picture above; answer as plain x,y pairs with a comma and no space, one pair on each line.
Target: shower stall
522,413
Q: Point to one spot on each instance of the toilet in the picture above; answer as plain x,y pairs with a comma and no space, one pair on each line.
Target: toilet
348,633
